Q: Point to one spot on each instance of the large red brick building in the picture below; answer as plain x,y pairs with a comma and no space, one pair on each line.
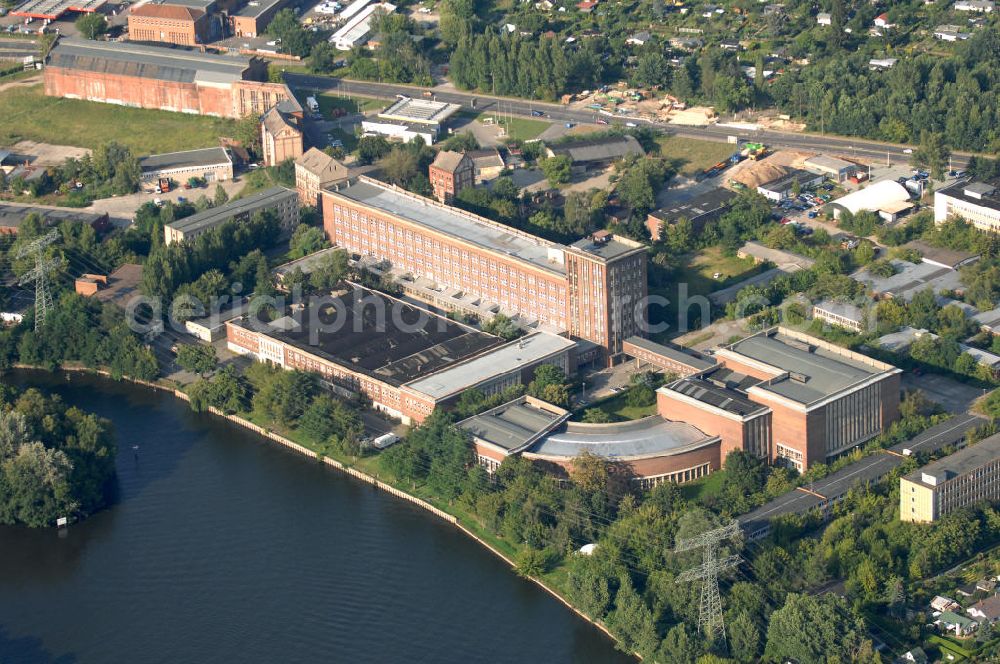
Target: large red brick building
151,77
173,24
787,397
591,289
374,351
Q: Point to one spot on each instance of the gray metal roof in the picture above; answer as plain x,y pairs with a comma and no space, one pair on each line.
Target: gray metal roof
869,469
679,354
131,59
12,215
721,389
646,437
452,221
599,149
824,373
911,278
960,462
256,8
223,213
186,159
711,202
512,425
513,356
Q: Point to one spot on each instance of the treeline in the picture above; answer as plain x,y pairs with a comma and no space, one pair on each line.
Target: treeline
55,461
233,246
955,95
508,64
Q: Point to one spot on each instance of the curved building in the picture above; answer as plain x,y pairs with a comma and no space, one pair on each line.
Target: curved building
655,450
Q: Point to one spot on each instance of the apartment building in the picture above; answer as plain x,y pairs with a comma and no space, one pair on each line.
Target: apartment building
590,289
284,203
976,202
967,477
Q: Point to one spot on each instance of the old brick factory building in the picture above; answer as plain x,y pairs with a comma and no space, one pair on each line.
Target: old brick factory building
590,289
150,77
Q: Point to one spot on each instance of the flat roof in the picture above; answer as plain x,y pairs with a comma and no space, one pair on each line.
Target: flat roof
371,333
984,194
133,59
848,311
952,258
679,354
223,213
711,202
255,8
650,436
959,463
515,355
12,215
910,278
123,284
454,222
53,9
513,425
421,111
307,263
609,248
813,371
870,468
721,389
785,182
186,159
830,163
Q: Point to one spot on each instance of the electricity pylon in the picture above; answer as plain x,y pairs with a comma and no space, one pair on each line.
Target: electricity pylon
40,273
710,620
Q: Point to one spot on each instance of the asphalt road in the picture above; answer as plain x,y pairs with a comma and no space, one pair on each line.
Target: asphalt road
869,469
556,112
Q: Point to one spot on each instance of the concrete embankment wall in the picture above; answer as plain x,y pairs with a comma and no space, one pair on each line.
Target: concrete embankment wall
364,477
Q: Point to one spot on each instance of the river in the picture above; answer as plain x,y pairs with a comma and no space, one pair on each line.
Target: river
225,548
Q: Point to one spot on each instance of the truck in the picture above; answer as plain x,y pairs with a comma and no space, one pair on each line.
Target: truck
754,151
312,104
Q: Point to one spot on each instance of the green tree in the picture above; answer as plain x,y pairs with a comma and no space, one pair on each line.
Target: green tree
197,358
814,629
92,25
557,169
306,240
596,416
221,197
932,154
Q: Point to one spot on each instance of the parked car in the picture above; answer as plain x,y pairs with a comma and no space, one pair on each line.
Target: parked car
601,121
537,114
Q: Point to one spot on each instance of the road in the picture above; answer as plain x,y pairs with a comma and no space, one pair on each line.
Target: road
871,468
809,142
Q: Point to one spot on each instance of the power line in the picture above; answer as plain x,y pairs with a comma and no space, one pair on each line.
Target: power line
710,619
40,273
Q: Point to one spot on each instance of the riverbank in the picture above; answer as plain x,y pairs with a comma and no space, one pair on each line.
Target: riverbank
272,436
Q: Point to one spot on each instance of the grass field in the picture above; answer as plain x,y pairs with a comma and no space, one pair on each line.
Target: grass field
518,129
329,101
704,488
29,115
691,156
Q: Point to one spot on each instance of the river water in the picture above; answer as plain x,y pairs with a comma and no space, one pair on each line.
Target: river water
225,548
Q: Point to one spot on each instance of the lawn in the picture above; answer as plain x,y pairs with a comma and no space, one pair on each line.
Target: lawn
29,115
619,410
697,272
702,489
330,101
518,129
691,156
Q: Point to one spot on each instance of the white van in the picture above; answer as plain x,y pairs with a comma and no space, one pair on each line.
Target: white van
385,440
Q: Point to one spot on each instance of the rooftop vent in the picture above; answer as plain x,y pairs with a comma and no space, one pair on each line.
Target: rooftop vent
798,377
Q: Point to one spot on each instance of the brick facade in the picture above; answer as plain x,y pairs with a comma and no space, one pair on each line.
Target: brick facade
172,24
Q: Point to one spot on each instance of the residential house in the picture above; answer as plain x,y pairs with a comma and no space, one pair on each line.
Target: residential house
915,656
882,64
488,164
314,171
941,603
450,173
960,626
950,33
639,38
986,610
980,6
882,21
281,137
824,18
